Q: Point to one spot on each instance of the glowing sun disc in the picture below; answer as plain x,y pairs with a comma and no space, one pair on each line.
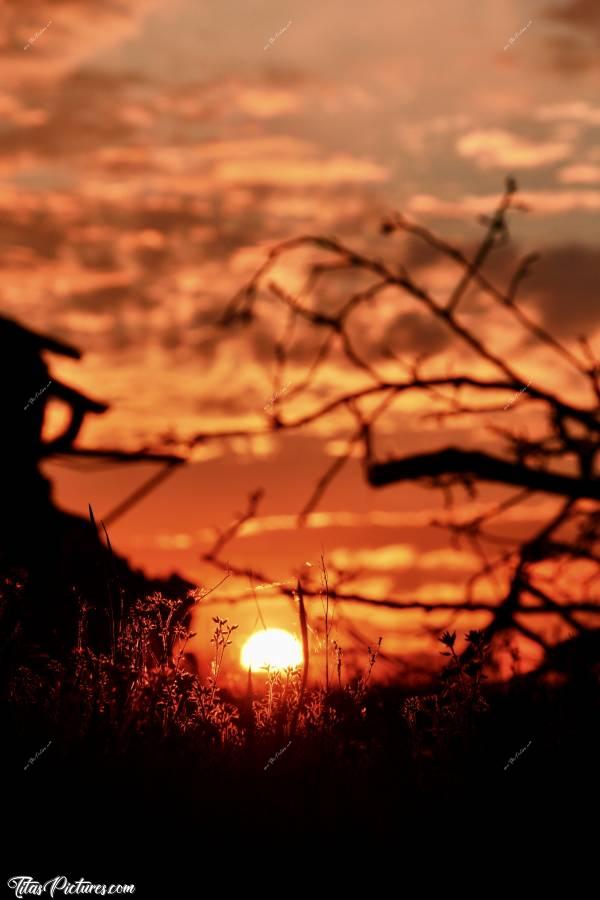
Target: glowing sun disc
273,648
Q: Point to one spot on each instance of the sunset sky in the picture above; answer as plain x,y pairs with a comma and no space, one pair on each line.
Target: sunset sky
151,153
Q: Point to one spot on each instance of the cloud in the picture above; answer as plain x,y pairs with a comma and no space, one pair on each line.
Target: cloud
525,514
160,176
403,556
107,298
495,148
416,333
564,284
67,125
439,591
78,31
460,560
580,173
575,110
299,172
267,102
578,50
383,559
543,202
578,13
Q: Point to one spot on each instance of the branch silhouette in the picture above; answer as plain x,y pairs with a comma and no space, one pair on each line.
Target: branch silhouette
560,461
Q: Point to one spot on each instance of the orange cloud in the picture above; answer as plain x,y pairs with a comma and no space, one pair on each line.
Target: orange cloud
460,560
576,110
78,31
538,202
530,512
267,102
495,148
390,558
580,173
339,168
403,556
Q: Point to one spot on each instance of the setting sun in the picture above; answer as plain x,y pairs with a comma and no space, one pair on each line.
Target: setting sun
273,648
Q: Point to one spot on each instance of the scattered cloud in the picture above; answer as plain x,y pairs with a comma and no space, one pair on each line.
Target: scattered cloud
580,173
339,168
576,51
495,148
390,558
385,558
575,110
461,560
267,102
542,202
568,304
416,333
403,557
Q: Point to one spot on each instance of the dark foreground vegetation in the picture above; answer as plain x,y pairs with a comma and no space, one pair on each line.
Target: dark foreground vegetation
109,756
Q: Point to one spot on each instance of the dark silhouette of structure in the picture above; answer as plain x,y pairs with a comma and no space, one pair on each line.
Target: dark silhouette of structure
50,560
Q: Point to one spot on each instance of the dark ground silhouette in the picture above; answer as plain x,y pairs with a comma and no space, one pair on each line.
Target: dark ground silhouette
52,560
